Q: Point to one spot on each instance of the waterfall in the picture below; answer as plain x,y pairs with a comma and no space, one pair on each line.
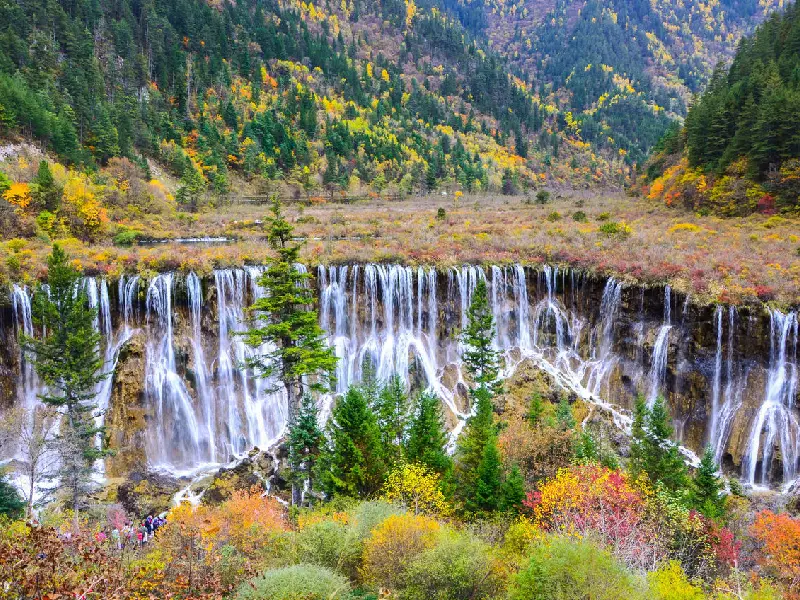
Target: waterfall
253,409
658,366
28,386
204,406
775,422
732,393
713,427
174,436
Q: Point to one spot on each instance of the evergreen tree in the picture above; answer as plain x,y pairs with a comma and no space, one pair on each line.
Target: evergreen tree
391,410
512,492
355,465
536,410
707,487
652,451
288,323
304,441
480,361
488,481
68,360
48,196
11,504
564,416
191,190
427,439
586,449
479,356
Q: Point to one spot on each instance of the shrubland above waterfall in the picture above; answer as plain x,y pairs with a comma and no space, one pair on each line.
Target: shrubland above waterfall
179,399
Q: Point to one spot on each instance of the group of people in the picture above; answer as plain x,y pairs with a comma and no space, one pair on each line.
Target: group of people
133,534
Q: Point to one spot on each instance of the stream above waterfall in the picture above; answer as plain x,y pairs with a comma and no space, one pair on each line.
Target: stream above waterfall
180,399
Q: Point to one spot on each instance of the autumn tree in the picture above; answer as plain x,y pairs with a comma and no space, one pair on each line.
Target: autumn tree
417,489
68,360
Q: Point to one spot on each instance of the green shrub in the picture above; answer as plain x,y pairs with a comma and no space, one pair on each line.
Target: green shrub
46,221
542,197
125,236
554,216
298,582
329,544
614,229
604,216
459,567
579,216
563,568
441,214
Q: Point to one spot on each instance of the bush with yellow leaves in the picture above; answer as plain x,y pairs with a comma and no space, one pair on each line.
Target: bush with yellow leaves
394,544
417,489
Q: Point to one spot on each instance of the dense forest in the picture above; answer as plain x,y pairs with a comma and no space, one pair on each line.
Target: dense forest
621,68
333,96
739,149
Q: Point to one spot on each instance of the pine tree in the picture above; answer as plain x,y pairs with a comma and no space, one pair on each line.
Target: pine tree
586,449
47,194
289,323
488,481
191,190
564,416
652,451
68,360
707,487
11,504
480,361
512,492
391,410
427,440
355,465
479,356
299,356
304,441
536,410
664,459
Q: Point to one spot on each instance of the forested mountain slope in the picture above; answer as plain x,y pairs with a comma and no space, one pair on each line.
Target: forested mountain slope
740,148
336,95
622,68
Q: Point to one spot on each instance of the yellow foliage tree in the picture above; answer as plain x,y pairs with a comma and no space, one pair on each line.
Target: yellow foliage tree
417,489
87,216
393,545
19,194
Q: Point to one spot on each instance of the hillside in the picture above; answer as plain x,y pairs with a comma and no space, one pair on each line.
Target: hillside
336,96
739,150
623,68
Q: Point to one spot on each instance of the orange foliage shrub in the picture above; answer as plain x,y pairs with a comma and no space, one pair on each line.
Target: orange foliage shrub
779,535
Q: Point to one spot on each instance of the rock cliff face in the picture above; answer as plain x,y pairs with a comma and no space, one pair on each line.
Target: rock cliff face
129,415
181,399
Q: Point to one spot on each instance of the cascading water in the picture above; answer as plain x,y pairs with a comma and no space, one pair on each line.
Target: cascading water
658,368
735,384
174,438
204,407
776,423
